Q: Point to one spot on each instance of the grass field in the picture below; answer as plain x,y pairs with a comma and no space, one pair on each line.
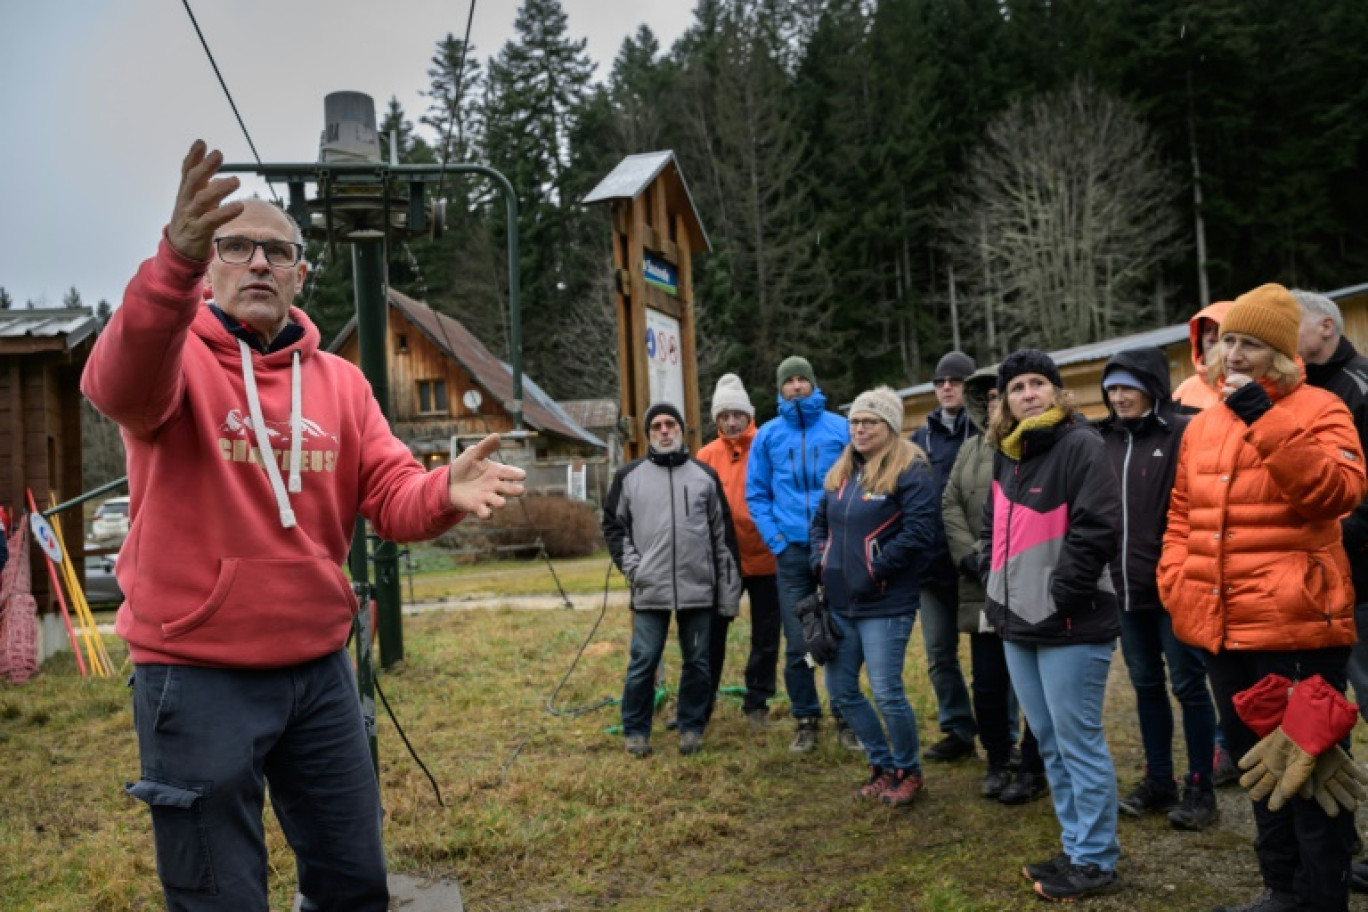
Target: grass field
573,823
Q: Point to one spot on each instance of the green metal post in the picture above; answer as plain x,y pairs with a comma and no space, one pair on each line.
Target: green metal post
372,320
361,631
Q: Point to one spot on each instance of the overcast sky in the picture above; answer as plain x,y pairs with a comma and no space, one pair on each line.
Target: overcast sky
101,100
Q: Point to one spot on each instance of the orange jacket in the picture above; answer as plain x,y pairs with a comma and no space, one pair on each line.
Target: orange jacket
728,458
1252,557
1195,392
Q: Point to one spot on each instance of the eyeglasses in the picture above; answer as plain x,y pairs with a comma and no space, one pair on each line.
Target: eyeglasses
865,422
947,381
238,251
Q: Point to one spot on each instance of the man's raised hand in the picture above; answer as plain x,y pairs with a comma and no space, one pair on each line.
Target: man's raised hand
479,485
200,210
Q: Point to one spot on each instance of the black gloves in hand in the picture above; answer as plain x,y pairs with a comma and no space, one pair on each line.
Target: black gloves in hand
969,567
1249,402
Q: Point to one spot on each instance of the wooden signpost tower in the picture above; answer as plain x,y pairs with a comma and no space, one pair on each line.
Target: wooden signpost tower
656,232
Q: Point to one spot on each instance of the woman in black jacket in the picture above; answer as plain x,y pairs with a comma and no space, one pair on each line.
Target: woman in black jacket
872,533
1050,529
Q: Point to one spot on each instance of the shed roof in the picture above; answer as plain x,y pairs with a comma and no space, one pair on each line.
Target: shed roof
45,328
635,173
540,411
592,413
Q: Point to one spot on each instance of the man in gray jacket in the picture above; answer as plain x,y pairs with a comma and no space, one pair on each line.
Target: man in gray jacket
668,528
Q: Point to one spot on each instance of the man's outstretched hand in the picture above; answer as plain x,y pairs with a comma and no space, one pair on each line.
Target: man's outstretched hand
479,485
200,210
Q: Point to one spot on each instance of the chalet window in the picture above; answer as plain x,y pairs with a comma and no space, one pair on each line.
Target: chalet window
401,344
432,397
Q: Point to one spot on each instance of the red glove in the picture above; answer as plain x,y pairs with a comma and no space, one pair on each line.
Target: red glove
1261,707
1318,716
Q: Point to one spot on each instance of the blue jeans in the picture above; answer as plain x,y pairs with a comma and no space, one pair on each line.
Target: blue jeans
796,582
210,741
649,629
940,632
880,644
1147,640
1062,689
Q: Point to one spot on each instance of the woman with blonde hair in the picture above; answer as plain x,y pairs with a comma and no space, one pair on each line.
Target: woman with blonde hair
872,536
1049,531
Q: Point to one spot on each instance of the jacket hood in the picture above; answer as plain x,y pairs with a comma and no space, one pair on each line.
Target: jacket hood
1215,313
1151,367
804,411
976,389
741,443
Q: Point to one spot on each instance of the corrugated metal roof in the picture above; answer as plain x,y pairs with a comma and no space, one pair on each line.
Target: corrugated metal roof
634,174
72,323
540,411
592,413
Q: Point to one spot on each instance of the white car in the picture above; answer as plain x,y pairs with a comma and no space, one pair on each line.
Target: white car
111,519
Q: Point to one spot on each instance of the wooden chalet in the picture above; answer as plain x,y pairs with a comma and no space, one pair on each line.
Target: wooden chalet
444,383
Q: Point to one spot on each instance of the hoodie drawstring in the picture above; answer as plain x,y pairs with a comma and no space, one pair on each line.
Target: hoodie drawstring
287,517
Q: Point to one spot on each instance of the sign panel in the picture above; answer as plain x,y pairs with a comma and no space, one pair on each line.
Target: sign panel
666,369
661,274
576,481
46,538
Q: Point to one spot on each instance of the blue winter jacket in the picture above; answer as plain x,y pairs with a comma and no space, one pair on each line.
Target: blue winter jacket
872,549
942,445
789,460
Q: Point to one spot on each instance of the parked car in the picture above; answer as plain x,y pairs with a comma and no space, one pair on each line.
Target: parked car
111,519
101,587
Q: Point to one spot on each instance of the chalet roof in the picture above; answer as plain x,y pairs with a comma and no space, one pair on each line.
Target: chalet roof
635,173
61,328
495,377
593,413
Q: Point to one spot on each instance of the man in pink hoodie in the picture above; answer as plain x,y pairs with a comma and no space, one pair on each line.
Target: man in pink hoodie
237,611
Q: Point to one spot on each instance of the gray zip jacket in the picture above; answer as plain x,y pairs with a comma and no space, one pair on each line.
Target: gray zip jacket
670,532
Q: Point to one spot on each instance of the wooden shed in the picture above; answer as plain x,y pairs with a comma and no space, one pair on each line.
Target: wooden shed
444,383
1081,367
42,354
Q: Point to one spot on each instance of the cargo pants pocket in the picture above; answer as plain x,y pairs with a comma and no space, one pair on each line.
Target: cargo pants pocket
183,861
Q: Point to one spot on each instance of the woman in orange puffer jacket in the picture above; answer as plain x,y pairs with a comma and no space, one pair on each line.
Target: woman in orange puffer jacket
1253,570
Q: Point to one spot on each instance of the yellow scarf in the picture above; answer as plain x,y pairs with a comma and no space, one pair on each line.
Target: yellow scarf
1011,444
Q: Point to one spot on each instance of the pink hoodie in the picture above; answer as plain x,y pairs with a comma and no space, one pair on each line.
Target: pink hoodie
223,565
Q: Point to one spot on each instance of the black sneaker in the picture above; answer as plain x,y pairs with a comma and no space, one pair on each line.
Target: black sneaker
998,778
1197,811
846,737
1042,869
805,737
951,747
1267,901
1076,882
1150,796
1024,789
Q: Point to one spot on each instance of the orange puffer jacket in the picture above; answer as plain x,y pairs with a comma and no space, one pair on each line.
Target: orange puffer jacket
1252,557
728,458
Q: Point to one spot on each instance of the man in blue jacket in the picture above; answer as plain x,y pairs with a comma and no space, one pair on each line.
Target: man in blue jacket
789,460
941,437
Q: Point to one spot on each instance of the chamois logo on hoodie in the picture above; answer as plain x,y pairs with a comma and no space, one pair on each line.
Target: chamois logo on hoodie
318,447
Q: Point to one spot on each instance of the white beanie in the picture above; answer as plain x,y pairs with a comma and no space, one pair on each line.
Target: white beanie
730,396
881,402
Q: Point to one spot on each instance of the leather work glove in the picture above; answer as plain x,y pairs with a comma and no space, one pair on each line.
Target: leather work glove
1317,718
1337,782
1266,763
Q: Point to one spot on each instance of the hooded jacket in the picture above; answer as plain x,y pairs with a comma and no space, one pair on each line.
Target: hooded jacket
224,566
1050,529
872,549
966,490
942,444
728,457
669,531
1195,393
789,461
1252,555
1346,375
1144,455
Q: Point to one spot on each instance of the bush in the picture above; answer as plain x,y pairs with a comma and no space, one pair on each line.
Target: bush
568,528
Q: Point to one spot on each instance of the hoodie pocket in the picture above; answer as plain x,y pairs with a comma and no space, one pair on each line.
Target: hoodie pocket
268,613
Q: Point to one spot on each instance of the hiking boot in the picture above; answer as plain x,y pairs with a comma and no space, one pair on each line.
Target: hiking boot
951,747
1014,759
880,781
998,778
1197,811
805,738
638,746
759,719
846,735
1267,901
1041,869
690,742
1076,882
906,786
1223,769
1150,796
1024,789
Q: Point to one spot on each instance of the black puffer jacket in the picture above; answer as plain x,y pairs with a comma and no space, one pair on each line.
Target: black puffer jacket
1346,375
1144,454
